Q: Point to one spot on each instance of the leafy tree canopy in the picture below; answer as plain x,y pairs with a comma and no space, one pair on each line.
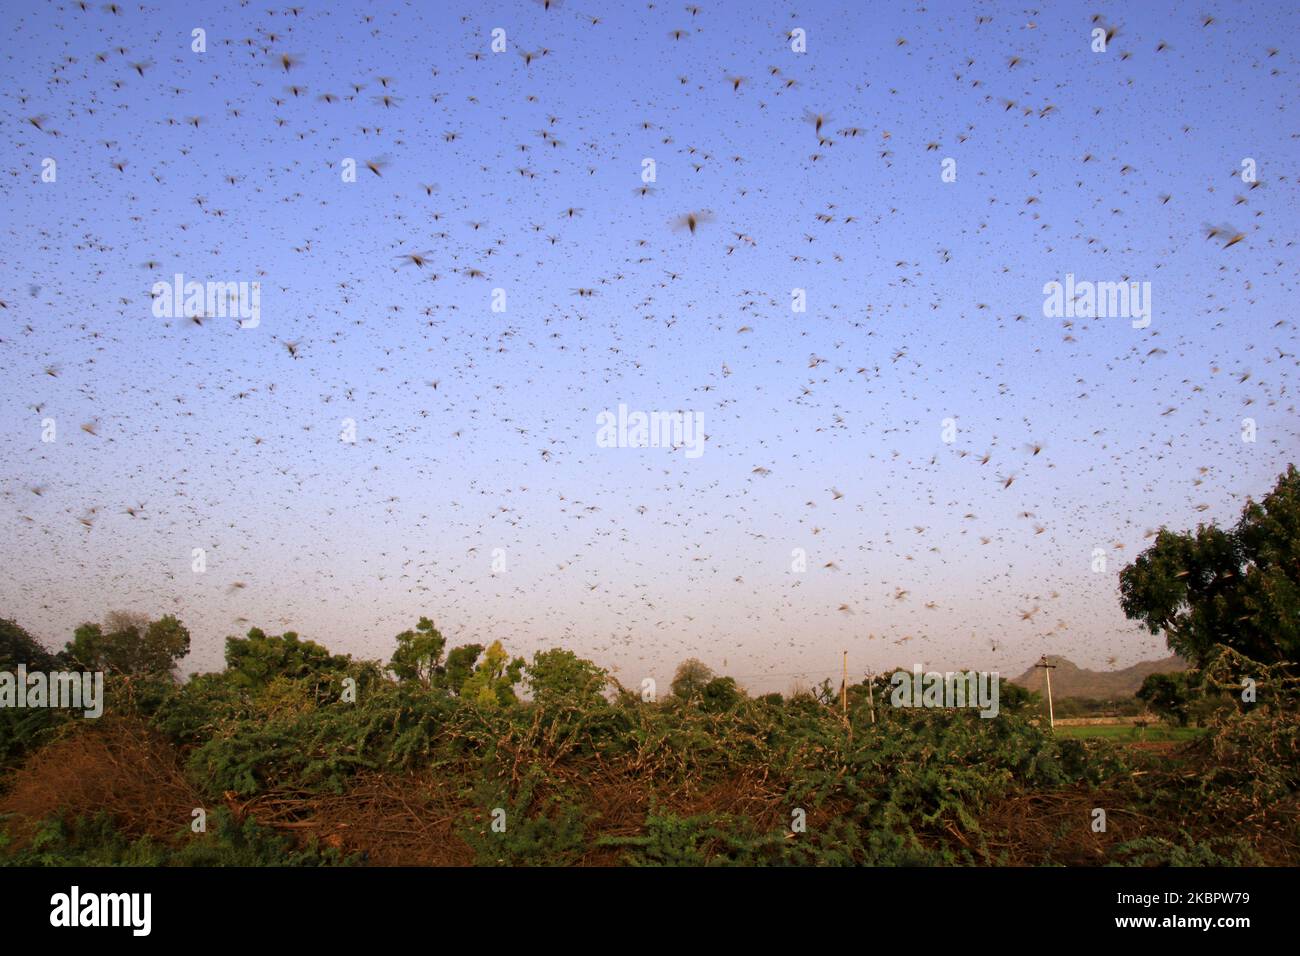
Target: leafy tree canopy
130,644
721,694
559,675
1169,695
493,681
256,660
1238,587
691,676
418,656
460,664
19,647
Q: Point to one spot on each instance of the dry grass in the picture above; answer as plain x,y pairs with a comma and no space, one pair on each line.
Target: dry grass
121,767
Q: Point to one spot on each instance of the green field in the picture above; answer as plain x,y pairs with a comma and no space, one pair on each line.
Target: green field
1124,732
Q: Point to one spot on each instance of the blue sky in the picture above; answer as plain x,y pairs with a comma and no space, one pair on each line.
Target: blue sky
924,303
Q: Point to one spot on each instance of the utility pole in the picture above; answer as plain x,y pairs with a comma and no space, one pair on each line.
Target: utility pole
871,697
1047,672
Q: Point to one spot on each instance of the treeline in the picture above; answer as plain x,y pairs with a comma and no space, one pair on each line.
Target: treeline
295,755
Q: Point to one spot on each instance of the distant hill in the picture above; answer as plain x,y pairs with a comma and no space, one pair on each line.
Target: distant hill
1070,680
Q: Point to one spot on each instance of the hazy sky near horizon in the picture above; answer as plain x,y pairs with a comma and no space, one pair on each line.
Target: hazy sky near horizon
476,429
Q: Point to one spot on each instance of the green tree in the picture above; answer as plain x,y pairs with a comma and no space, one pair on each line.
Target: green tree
19,647
1169,695
418,656
258,659
23,729
493,682
459,667
720,694
691,677
559,675
1238,587
130,644
1013,698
